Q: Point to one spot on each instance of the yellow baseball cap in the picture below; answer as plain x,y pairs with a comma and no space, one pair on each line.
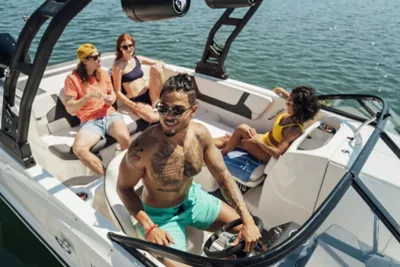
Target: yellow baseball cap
85,50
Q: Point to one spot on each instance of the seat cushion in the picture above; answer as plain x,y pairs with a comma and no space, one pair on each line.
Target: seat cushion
118,212
244,169
215,128
243,166
60,143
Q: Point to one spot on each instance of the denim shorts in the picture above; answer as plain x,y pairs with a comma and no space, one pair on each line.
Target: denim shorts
101,126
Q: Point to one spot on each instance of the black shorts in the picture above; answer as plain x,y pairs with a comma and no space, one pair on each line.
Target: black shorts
144,98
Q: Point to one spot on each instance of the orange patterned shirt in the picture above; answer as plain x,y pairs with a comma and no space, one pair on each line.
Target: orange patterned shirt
94,108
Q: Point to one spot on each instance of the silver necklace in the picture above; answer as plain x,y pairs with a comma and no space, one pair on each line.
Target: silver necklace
174,148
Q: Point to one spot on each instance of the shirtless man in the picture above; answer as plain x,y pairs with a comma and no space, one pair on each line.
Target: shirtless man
166,157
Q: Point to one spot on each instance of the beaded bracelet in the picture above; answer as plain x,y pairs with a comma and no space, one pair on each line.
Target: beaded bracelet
150,229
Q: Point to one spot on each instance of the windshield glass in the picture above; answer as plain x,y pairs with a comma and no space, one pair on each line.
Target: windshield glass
363,108
393,126
380,175
350,236
356,107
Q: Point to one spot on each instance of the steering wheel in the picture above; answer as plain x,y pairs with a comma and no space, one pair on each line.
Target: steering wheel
230,250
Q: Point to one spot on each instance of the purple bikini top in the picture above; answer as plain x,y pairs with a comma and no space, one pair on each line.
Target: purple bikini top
134,74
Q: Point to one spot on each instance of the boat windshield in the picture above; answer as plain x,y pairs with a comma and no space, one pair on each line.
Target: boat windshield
348,238
360,107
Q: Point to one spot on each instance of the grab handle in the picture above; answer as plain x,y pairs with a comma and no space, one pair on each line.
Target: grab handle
64,244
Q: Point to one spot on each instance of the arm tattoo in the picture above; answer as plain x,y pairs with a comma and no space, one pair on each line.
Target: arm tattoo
193,158
228,186
233,195
220,166
133,153
216,164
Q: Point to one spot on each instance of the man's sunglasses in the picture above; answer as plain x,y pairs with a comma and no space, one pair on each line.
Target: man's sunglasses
177,111
126,47
95,57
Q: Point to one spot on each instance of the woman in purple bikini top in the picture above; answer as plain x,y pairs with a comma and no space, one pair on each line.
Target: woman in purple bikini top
134,74
129,84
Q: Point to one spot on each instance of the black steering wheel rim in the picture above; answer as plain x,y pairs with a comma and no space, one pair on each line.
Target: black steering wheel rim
232,250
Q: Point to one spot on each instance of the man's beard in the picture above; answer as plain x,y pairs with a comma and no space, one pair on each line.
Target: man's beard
174,132
170,134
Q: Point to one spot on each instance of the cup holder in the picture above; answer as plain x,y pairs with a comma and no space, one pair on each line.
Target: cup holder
83,195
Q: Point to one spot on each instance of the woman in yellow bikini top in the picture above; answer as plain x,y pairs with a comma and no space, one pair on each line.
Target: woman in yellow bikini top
277,131
302,105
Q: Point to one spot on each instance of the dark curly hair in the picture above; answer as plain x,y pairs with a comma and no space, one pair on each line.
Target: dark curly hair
181,82
305,103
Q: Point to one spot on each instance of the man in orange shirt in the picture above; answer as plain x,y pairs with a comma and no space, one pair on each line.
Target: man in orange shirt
89,94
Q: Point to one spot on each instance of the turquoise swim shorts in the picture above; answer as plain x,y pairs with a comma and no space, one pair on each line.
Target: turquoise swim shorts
199,210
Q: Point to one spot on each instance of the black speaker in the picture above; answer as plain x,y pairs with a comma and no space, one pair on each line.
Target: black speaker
229,3
7,47
150,10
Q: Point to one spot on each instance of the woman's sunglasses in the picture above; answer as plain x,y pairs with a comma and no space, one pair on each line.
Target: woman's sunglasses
95,57
289,103
177,111
126,47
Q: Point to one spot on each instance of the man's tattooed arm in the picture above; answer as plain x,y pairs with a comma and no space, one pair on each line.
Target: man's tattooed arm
131,170
132,156
230,190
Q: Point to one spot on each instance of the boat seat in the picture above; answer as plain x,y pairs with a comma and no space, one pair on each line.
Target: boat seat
211,121
128,224
63,128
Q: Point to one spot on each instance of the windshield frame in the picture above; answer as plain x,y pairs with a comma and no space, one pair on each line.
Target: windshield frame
275,254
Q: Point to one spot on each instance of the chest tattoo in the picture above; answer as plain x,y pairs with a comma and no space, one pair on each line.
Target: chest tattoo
170,168
193,160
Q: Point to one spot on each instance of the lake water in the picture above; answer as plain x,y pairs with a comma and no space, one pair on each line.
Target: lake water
342,46
18,246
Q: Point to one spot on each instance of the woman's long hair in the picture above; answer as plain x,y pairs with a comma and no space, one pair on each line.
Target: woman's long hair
305,103
82,73
121,38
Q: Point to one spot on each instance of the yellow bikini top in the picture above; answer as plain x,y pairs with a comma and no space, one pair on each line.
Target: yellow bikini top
277,130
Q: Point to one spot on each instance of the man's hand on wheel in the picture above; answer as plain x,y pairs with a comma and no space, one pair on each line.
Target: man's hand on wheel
250,234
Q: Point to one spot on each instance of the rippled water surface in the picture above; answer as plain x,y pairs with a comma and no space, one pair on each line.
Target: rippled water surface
339,46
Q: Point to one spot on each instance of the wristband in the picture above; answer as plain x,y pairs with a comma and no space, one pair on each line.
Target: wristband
154,226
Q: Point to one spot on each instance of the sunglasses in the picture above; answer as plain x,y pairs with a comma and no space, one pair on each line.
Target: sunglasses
126,47
289,103
95,57
177,111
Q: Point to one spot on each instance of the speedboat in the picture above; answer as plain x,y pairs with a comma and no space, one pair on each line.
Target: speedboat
330,200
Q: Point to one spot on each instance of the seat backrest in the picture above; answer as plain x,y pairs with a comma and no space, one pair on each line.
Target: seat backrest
293,146
118,212
59,111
